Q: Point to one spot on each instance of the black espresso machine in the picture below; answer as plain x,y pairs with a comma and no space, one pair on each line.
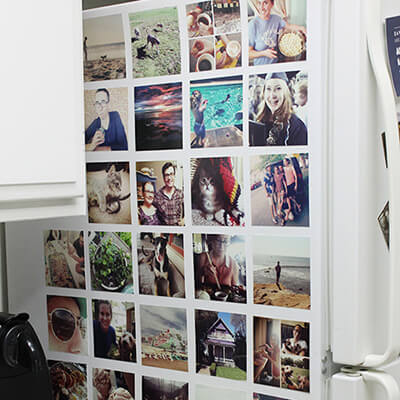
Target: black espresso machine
23,367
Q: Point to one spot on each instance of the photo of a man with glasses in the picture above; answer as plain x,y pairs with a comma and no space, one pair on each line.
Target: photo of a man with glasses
106,132
169,199
160,193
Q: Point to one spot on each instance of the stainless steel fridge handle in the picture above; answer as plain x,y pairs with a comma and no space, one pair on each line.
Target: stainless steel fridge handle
377,54
387,381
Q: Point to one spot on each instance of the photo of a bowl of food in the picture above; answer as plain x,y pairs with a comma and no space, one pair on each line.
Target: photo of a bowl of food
205,63
233,48
220,295
291,44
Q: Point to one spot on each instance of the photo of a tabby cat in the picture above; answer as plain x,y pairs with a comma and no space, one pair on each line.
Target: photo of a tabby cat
107,188
215,192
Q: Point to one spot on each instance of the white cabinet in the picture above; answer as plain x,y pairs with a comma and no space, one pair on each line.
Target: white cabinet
42,168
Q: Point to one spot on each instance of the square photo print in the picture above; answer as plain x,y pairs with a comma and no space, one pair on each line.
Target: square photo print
159,388
281,353
277,31
216,188
104,48
64,258
155,42
158,117
113,385
278,109
161,264
214,44
110,256
216,118
279,189
68,379
221,344
164,337
67,324
108,192
114,330
160,192
281,271
106,119
219,267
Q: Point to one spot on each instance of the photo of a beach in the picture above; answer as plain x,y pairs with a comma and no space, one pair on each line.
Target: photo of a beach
104,48
158,117
216,118
281,270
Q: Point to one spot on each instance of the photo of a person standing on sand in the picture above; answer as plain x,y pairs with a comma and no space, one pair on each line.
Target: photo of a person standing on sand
281,268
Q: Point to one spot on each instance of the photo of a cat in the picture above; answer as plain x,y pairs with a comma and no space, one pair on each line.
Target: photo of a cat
108,192
217,191
160,193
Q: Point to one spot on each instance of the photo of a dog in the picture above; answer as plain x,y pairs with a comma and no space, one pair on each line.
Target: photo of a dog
295,373
161,264
127,347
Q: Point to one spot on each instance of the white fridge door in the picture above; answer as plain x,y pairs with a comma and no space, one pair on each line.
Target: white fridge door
365,300
363,385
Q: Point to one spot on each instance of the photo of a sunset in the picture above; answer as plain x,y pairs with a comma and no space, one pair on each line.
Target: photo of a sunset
158,117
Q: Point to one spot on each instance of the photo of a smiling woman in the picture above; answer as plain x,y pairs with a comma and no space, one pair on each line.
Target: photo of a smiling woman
272,119
66,318
103,333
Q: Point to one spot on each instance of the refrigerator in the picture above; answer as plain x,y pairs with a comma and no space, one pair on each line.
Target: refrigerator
194,170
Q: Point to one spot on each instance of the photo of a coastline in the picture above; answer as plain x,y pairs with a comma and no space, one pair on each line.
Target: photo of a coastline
155,42
216,118
158,117
104,48
281,270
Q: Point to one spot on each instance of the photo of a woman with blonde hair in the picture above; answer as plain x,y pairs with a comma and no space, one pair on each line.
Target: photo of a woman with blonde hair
276,122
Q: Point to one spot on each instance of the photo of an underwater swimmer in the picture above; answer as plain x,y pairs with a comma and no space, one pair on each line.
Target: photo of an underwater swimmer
216,118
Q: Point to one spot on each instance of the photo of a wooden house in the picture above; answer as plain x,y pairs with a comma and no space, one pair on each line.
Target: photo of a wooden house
221,344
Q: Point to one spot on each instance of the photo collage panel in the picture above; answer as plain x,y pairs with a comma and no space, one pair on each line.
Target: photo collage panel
214,33
282,353
195,251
